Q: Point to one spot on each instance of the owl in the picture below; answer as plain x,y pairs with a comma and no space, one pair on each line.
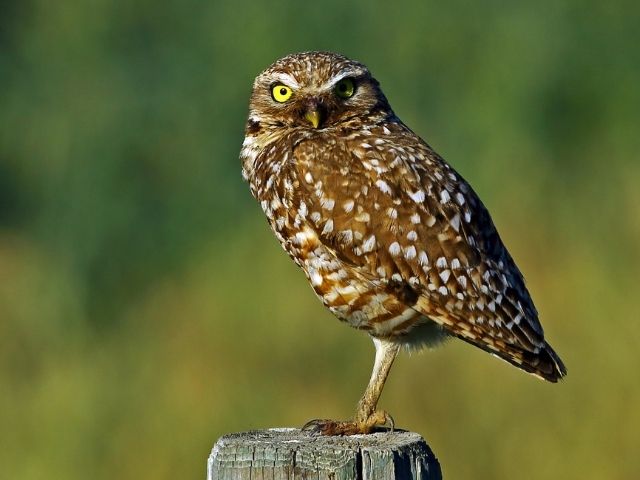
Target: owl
392,239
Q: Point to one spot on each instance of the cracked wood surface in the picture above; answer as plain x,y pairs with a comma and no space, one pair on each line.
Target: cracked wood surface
288,453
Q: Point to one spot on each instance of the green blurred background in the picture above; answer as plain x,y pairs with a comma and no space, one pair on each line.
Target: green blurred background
146,309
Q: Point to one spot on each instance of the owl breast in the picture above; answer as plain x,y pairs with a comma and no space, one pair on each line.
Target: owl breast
298,184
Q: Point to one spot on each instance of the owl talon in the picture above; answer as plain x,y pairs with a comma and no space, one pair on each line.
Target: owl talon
330,428
388,420
379,418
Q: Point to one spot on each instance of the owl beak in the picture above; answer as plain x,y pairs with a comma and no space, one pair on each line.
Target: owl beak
313,116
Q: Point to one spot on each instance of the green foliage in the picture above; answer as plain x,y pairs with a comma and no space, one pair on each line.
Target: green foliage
145,308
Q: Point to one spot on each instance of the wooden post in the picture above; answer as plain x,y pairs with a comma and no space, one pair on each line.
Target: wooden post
288,453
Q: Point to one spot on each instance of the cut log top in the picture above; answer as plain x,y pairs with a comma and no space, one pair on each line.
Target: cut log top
288,453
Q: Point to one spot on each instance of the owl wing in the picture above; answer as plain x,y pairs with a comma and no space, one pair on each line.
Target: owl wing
388,205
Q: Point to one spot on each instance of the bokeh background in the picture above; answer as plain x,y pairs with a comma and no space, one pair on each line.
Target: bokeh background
146,309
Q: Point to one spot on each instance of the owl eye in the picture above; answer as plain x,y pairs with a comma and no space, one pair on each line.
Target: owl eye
345,88
281,93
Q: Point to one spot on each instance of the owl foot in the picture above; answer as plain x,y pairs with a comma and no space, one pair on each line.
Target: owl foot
377,419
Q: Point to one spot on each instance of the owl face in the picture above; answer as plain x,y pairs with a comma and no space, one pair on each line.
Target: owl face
315,90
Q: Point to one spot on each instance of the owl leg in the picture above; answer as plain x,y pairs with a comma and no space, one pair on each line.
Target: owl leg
367,417
366,414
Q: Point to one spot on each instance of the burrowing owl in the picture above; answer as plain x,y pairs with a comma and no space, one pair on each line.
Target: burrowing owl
392,239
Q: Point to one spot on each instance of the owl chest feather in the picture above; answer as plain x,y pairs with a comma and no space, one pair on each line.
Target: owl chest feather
299,191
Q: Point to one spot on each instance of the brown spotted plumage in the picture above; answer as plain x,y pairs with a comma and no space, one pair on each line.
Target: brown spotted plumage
392,239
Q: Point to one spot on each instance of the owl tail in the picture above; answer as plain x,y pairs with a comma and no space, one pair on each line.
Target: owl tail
545,364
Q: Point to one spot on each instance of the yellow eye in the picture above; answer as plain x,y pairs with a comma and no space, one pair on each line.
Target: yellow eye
281,93
345,88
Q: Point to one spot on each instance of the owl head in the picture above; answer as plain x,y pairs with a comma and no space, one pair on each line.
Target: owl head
315,90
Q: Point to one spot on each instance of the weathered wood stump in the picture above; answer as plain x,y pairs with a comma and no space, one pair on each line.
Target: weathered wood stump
288,453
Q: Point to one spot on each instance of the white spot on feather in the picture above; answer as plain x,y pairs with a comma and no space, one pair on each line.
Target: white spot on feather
348,206
383,186
369,244
347,236
455,222
305,236
445,274
302,211
328,203
328,227
270,181
315,277
362,217
410,252
418,196
394,249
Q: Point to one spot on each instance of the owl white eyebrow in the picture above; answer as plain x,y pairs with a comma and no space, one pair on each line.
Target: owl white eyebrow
286,79
349,73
